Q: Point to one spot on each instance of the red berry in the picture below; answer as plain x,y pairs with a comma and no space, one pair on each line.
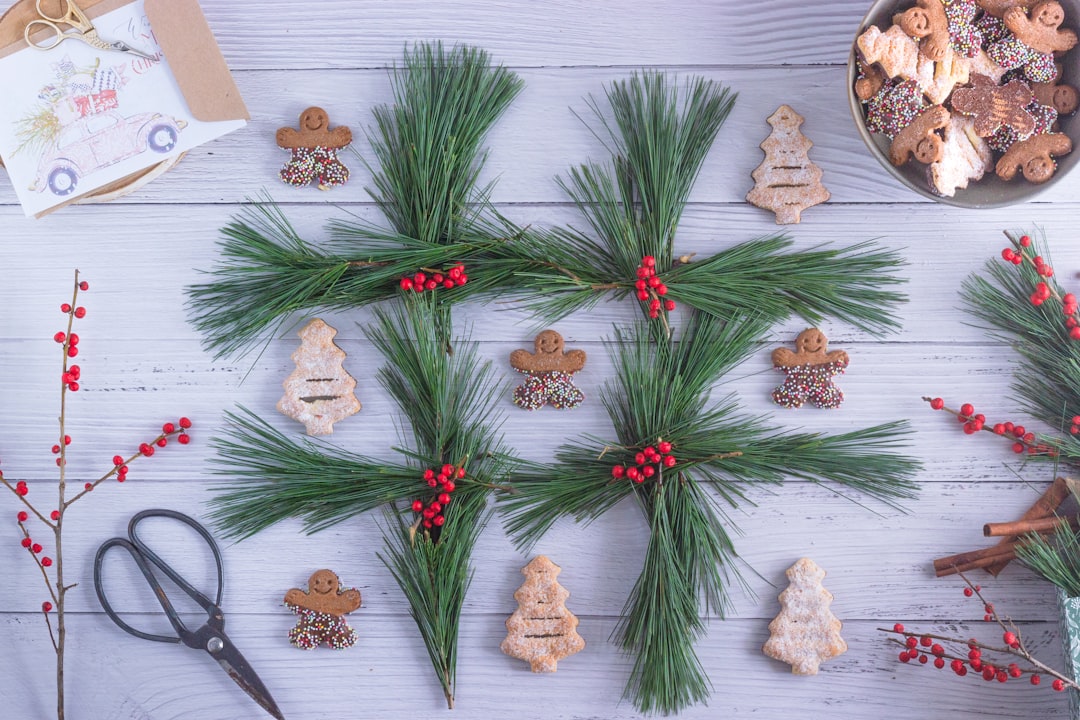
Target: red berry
669,305
898,627
432,482
72,351
1015,671
1074,333
21,490
419,278
55,515
46,606
639,458
183,439
84,286
444,498
670,461
968,592
1009,638
55,449
36,547
937,650
427,524
926,641
648,261
967,409
618,471
1018,447
1058,685
1035,679
80,312
976,664
435,507
999,429
1019,431
661,289
463,279
439,520
430,285
184,423
76,372
146,450
73,339
1001,676
428,513
904,657
924,659
88,487
65,308
73,386
162,442
438,277
988,673
632,473
912,642
665,447
642,295
417,506
26,542
1025,241
448,283
937,403
974,654
648,471
59,337
939,663
970,429
46,562
168,428
22,516
449,486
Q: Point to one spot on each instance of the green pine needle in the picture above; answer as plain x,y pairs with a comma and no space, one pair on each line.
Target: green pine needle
434,576
1047,379
428,145
1056,558
661,393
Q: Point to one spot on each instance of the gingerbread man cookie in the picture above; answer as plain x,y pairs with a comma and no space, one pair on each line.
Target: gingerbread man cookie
997,8
1063,98
919,138
927,21
995,106
550,374
314,149
809,370
1034,157
1031,42
320,612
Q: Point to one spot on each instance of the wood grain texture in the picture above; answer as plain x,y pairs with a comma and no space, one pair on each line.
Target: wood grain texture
143,365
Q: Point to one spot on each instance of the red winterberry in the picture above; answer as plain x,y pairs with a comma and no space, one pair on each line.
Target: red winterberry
618,471
26,542
912,642
55,515
968,592
439,520
939,663
904,657
1009,638
184,423
669,305
670,461
80,312
1059,684
1035,679
59,337
46,562
168,428
449,485
937,650
22,516
46,606
146,449
88,487
84,286
36,547
183,439
162,442
937,403
417,506
664,447
926,641
1025,241
65,308
967,409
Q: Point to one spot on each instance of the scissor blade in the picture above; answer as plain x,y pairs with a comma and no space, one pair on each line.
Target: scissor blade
124,47
238,669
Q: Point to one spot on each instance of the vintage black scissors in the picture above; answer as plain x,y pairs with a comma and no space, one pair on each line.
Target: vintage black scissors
81,29
211,636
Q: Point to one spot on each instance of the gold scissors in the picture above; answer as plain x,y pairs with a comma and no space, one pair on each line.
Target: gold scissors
82,29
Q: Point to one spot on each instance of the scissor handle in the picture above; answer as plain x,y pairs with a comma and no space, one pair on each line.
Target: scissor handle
57,38
74,16
146,560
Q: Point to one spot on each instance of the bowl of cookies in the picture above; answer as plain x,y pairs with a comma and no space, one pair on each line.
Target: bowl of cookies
969,102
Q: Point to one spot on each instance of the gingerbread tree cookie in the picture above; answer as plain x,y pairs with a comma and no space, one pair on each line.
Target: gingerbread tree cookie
787,182
314,149
542,631
320,612
319,392
810,370
805,633
550,372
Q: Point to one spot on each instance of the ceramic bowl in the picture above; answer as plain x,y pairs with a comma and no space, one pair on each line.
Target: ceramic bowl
991,191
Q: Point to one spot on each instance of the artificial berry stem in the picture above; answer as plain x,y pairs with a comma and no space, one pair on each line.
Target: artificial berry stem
975,422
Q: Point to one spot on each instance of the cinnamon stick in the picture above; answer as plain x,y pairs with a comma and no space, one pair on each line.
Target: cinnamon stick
1045,506
962,562
1022,527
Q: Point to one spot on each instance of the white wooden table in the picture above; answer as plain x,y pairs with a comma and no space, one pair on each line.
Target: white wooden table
143,364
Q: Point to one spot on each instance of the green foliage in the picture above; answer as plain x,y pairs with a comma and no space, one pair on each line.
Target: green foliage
1056,558
1047,378
661,392
428,144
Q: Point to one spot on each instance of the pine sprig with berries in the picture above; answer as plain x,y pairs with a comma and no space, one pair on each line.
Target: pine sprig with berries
435,496
51,565
680,457
440,220
659,132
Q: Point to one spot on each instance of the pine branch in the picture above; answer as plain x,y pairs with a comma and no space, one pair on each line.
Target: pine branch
275,477
1056,558
658,139
1047,381
659,404
434,576
428,146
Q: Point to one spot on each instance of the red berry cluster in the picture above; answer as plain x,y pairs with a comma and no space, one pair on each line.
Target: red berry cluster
647,463
1023,441
421,281
147,449
1043,291
921,648
443,481
35,549
650,289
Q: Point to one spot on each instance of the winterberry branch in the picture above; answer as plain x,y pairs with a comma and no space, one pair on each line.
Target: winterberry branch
976,422
915,648
34,548
20,489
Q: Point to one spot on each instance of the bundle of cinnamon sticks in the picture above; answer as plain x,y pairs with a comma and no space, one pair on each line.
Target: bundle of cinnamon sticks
1041,518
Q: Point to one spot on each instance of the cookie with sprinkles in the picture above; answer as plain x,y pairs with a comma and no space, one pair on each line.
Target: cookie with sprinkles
1045,117
550,370
314,148
964,35
810,370
320,612
894,108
